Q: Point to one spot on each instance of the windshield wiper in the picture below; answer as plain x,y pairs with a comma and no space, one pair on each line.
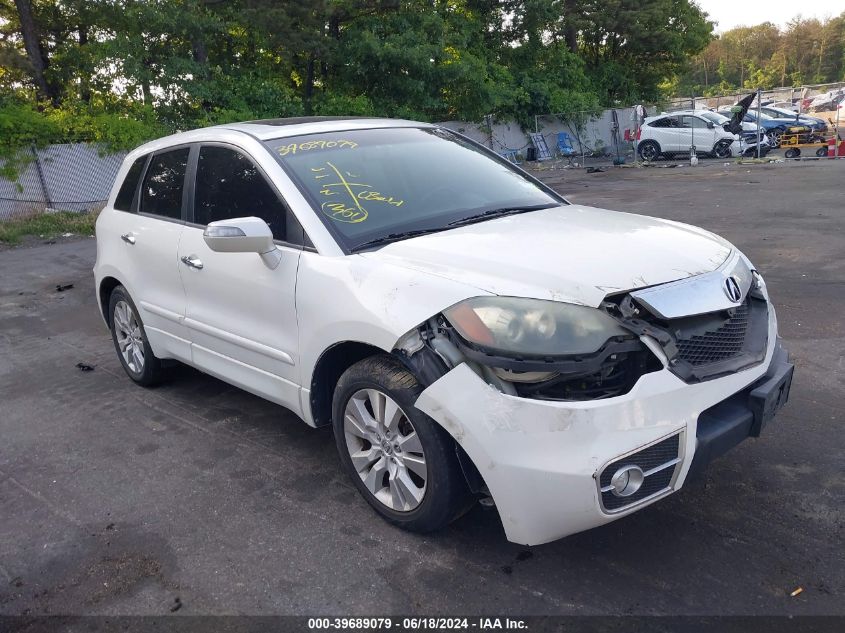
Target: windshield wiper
497,213
395,237
478,217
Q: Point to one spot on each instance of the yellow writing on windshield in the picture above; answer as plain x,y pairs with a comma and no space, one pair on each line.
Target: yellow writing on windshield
306,146
350,194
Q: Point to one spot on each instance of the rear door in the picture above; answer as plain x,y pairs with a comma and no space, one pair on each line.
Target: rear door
665,132
241,314
150,236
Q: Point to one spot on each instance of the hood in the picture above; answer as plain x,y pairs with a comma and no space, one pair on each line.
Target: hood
575,253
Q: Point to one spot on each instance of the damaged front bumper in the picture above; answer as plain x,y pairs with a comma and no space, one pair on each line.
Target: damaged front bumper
549,464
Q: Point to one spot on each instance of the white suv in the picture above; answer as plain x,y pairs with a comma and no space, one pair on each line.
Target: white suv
467,332
678,132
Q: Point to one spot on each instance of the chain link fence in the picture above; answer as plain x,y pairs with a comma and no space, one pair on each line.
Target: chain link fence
66,177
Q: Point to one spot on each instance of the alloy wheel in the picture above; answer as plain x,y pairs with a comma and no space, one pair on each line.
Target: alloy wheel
649,151
129,338
385,449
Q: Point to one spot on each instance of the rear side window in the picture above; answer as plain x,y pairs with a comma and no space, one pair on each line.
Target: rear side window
164,183
123,202
229,185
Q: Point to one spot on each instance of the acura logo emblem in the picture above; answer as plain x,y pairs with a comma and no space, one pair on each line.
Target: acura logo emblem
732,290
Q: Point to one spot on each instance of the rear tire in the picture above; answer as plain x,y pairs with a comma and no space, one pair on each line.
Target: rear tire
400,460
649,150
130,340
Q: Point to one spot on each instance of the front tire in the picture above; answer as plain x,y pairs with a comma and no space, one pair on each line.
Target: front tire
775,137
399,459
130,340
722,149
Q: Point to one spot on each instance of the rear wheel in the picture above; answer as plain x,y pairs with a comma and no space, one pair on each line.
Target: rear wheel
792,153
399,459
649,150
821,152
130,340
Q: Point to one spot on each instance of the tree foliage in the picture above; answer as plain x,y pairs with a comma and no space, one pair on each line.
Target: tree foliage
764,56
119,70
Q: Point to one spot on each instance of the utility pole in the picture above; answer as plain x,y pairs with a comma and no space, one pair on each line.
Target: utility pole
759,112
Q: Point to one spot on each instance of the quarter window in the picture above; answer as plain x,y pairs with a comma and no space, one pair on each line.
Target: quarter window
164,184
123,201
229,185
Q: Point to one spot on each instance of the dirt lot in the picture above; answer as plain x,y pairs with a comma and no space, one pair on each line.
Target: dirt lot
116,499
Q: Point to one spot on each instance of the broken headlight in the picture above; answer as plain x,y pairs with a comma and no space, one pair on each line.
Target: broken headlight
513,326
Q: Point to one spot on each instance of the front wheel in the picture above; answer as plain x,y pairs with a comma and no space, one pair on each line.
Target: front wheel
399,459
722,149
775,137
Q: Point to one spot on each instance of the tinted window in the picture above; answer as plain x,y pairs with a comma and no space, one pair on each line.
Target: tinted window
666,122
229,185
123,202
163,184
692,121
370,184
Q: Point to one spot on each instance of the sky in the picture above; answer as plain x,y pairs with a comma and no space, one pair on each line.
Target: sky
731,13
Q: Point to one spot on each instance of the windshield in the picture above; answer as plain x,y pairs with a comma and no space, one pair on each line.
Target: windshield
715,117
763,116
370,184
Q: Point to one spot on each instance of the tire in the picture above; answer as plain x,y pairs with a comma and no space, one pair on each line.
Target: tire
774,137
821,152
420,487
792,153
722,149
130,341
649,150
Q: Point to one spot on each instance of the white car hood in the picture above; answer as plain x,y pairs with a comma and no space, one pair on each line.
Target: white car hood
573,253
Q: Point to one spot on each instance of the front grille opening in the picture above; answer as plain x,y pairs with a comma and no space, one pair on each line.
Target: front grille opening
650,458
719,343
617,376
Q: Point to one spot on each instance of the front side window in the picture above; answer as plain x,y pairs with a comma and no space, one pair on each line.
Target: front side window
692,122
373,184
229,185
123,201
164,183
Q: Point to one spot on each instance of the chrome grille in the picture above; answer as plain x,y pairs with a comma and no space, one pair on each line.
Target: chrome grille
658,463
719,344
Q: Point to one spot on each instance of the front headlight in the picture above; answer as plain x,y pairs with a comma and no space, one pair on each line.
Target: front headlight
532,327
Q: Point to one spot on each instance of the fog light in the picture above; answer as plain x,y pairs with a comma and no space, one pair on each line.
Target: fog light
626,481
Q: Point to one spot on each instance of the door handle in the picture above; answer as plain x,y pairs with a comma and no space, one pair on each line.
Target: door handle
128,238
192,260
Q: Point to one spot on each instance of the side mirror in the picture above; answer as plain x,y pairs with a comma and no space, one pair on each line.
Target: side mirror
243,235
711,125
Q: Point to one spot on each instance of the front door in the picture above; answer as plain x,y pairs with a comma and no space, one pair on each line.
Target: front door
241,313
695,131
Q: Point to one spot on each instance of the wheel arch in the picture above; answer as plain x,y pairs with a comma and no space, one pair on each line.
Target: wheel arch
106,287
331,364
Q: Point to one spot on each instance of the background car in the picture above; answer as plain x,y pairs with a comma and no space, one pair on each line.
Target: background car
676,133
804,119
775,127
